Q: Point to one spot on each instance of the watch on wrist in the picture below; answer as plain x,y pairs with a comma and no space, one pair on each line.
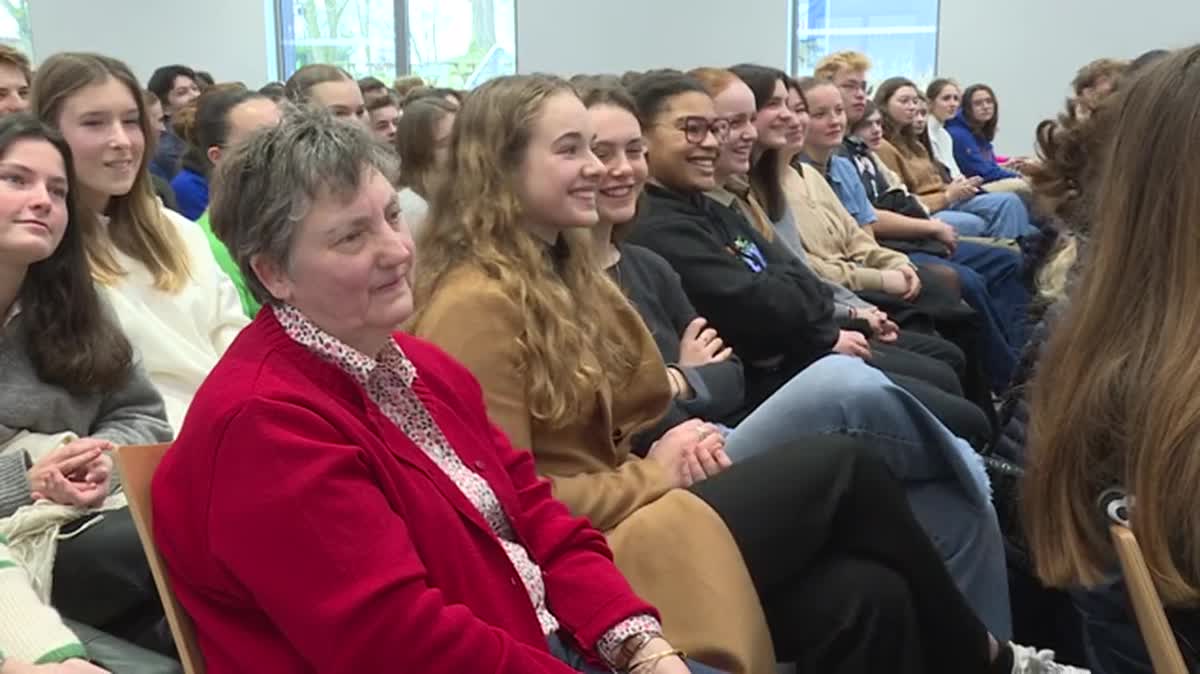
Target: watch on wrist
631,646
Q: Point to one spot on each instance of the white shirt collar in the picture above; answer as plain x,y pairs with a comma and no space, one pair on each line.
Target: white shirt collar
11,314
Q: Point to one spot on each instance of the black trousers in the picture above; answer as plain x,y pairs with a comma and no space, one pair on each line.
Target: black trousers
119,656
935,384
102,579
846,575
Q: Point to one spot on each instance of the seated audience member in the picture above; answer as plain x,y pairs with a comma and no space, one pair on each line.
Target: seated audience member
72,390
155,268
329,88
957,202
472,565
383,112
15,74
523,144
1093,82
451,96
221,118
774,311
276,91
158,126
154,112
372,87
944,98
990,275
848,72
423,142
403,85
837,394
175,87
1112,409
204,80
973,130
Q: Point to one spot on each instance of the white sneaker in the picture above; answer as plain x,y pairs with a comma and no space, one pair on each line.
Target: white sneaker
1028,660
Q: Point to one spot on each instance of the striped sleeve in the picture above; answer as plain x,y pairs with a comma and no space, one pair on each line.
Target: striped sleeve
30,631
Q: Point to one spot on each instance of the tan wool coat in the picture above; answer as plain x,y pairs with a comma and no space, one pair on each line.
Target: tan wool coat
919,173
838,248
672,547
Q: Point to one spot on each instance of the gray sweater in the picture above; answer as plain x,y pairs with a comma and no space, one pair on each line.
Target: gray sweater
132,414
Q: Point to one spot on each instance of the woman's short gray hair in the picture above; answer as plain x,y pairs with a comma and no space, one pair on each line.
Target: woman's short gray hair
269,182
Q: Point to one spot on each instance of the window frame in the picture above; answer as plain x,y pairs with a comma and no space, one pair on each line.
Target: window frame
794,40
285,32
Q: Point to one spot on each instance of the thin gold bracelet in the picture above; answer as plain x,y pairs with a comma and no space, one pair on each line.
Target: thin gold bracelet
654,659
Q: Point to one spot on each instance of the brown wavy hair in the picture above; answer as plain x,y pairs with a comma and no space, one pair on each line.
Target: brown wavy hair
567,352
1119,405
138,226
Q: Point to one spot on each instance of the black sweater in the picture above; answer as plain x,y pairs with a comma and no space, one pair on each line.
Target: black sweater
764,303
655,291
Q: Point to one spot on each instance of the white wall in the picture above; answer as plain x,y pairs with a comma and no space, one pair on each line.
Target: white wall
228,38
1029,50
569,36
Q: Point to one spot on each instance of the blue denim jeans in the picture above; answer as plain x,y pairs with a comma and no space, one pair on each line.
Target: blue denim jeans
1001,216
944,478
991,283
577,662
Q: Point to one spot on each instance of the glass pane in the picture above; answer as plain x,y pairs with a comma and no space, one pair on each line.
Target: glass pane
14,26
900,36
461,43
358,35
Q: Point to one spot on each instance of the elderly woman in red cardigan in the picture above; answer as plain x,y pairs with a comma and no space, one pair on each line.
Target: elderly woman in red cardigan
337,500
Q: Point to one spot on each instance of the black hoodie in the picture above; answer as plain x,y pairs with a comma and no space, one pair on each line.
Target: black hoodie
764,303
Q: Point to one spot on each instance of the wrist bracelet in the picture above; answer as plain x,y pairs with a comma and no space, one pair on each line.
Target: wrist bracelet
654,659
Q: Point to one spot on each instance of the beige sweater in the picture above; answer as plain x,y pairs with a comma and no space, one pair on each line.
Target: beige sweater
838,248
30,631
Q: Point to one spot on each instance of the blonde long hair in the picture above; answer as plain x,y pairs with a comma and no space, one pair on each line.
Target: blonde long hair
1116,401
476,219
138,227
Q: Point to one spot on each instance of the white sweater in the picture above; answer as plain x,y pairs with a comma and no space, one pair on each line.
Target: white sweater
943,146
180,335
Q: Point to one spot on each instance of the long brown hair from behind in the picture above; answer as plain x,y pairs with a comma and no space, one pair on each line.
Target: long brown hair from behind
1116,401
476,220
73,342
415,142
903,136
138,226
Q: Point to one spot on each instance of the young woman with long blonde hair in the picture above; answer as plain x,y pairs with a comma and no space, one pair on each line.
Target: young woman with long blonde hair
154,267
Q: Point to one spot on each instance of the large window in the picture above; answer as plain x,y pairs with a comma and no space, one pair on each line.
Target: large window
453,43
900,36
14,25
